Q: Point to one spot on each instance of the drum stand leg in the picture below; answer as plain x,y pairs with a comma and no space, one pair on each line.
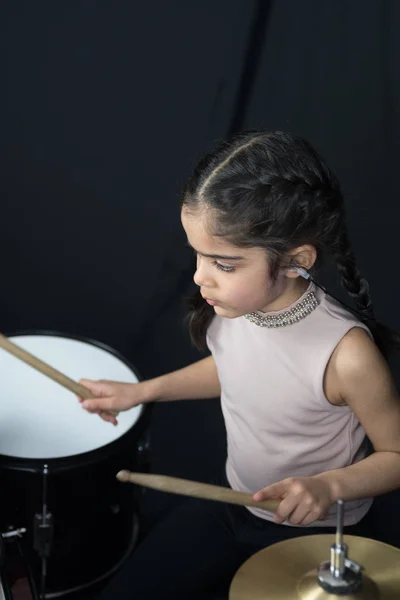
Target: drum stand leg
43,533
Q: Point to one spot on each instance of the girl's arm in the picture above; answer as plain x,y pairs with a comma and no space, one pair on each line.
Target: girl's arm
199,380
367,386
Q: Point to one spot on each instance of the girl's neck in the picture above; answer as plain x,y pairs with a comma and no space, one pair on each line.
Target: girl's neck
293,290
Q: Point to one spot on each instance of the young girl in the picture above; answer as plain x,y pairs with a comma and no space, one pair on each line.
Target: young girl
301,379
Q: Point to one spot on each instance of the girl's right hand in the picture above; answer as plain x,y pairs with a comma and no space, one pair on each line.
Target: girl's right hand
111,396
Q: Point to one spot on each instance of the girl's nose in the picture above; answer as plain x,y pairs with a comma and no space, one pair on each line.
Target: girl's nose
201,277
198,278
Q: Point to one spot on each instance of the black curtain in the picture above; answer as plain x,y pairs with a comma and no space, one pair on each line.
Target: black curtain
106,107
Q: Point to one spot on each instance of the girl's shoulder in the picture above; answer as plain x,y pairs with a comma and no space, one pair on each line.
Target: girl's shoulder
368,388
355,363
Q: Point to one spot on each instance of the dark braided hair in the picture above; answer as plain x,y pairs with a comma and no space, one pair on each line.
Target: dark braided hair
357,287
272,190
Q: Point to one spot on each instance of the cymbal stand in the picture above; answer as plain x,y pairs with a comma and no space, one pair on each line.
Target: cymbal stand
340,575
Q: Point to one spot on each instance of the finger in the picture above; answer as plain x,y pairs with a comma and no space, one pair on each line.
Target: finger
285,508
109,418
99,404
299,514
315,514
95,387
309,518
275,490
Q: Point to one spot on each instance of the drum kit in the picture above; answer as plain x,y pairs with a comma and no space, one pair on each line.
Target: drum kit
62,510
73,524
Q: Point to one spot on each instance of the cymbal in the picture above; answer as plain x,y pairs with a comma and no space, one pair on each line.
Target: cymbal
288,570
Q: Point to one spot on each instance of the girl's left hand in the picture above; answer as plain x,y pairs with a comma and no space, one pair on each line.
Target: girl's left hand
303,499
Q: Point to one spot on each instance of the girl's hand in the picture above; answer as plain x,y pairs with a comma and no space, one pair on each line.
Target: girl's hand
111,396
303,499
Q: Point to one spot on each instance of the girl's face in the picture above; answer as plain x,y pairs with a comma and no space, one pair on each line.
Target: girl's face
233,280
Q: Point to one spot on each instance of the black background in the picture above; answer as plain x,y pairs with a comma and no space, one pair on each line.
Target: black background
105,108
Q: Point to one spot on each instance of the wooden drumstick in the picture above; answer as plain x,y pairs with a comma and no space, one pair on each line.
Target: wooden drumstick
196,489
39,365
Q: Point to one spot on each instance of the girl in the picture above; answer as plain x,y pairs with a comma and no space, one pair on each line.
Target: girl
302,380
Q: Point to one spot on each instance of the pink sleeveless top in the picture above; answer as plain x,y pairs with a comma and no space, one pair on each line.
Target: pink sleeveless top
279,422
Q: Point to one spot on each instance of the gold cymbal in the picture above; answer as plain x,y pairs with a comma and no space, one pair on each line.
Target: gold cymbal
288,570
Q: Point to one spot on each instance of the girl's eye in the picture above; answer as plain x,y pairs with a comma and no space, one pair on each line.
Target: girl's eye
223,268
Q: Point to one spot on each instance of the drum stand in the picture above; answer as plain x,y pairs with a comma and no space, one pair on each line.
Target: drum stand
16,569
43,533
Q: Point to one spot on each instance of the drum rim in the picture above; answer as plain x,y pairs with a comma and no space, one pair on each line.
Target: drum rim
78,338
92,456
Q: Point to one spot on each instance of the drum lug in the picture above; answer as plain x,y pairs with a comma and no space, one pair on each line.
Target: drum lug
43,528
143,454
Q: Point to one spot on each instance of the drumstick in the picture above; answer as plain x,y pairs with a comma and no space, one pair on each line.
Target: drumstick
196,489
39,365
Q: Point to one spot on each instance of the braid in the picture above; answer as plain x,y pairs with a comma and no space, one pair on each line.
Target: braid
357,287
353,282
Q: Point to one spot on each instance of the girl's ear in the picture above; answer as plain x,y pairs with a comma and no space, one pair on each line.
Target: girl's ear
302,257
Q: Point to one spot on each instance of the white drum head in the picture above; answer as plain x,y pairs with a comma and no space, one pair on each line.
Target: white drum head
41,419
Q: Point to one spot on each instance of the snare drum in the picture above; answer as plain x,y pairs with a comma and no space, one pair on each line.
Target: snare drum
58,464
